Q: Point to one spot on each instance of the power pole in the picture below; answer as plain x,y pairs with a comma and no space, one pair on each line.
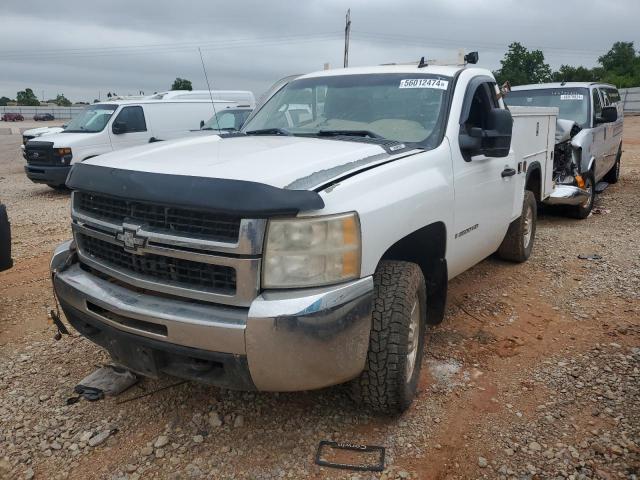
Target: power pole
347,31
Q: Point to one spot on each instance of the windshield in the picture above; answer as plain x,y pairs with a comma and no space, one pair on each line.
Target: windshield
227,120
405,107
572,102
91,120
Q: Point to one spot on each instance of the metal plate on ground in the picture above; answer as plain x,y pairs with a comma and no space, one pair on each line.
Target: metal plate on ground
350,456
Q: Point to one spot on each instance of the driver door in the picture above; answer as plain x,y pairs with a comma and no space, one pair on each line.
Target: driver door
135,128
484,186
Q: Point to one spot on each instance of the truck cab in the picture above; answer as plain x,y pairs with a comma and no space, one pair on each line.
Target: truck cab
310,249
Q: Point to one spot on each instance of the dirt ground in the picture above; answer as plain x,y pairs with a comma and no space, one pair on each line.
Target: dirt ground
534,374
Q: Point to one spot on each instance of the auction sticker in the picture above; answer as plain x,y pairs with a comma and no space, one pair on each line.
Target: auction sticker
424,83
573,96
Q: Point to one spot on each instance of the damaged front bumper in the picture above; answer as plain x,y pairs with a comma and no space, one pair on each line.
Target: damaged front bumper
285,341
567,195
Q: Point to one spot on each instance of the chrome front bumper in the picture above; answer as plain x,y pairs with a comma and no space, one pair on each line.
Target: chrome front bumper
567,195
292,340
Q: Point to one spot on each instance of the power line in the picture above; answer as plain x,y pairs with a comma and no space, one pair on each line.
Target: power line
447,43
151,48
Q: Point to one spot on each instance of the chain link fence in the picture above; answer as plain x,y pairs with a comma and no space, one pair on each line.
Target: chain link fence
630,98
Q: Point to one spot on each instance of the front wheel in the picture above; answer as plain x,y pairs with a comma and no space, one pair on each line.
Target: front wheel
518,242
389,381
584,209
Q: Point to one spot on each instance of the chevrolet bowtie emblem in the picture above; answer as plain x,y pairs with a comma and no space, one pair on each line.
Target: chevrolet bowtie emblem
131,238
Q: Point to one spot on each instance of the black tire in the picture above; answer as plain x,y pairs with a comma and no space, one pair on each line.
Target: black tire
518,242
386,385
613,175
583,210
5,240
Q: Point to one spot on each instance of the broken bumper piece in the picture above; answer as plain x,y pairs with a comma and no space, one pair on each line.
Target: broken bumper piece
567,195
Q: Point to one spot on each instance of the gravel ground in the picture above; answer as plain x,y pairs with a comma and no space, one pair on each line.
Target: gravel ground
534,374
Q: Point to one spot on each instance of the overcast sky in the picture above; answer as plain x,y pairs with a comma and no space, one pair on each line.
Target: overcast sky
84,49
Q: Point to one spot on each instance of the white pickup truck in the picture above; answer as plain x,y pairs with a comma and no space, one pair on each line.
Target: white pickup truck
307,250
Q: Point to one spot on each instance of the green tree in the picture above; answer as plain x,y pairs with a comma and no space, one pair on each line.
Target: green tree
4,101
27,97
621,65
62,101
521,66
568,73
181,84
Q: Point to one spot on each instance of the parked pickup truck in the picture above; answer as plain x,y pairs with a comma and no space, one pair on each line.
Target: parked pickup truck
306,250
588,138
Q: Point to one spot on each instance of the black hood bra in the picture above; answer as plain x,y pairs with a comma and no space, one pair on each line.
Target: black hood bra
225,196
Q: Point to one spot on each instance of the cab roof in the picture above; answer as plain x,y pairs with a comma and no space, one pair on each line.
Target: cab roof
540,86
446,71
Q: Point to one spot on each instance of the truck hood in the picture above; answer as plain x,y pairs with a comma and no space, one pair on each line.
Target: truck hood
67,139
36,132
279,161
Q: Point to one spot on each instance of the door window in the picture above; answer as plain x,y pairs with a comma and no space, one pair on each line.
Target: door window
597,104
482,102
133,118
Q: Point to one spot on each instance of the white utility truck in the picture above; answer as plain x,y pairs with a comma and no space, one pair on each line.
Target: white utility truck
124,123
311,249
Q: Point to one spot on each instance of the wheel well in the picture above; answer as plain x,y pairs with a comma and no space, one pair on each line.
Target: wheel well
534,181
427,247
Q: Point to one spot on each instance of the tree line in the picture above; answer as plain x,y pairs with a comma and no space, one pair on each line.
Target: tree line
620,66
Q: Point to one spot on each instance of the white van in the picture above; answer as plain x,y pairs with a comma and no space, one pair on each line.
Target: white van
114,125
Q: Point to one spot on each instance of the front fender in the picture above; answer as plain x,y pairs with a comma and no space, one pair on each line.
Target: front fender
396,199
581,145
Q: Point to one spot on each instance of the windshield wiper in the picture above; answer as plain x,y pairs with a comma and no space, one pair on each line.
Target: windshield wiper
348,133
269,131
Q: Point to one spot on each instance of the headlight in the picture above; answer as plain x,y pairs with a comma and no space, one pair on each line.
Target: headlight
309,252
64,154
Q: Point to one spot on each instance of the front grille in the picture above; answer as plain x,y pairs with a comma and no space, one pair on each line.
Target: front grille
179,272
174,219
40,153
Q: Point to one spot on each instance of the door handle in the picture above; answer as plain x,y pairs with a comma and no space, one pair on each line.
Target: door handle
508,172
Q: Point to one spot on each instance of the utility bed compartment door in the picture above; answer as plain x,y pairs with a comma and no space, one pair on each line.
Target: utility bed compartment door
533,142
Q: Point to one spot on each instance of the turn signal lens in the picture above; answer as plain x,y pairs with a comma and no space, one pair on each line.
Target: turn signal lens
580,181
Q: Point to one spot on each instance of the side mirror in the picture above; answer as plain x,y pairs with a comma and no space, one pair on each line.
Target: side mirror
201,123
493,141
609,115
119,127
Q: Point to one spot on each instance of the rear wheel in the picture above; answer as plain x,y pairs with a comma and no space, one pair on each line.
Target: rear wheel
389,381
518,242
584,209
613,175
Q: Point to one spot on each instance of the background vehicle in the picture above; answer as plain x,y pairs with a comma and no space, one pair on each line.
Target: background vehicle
38,132
12,117
313,248
5,240
109,126
589,138
43,116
